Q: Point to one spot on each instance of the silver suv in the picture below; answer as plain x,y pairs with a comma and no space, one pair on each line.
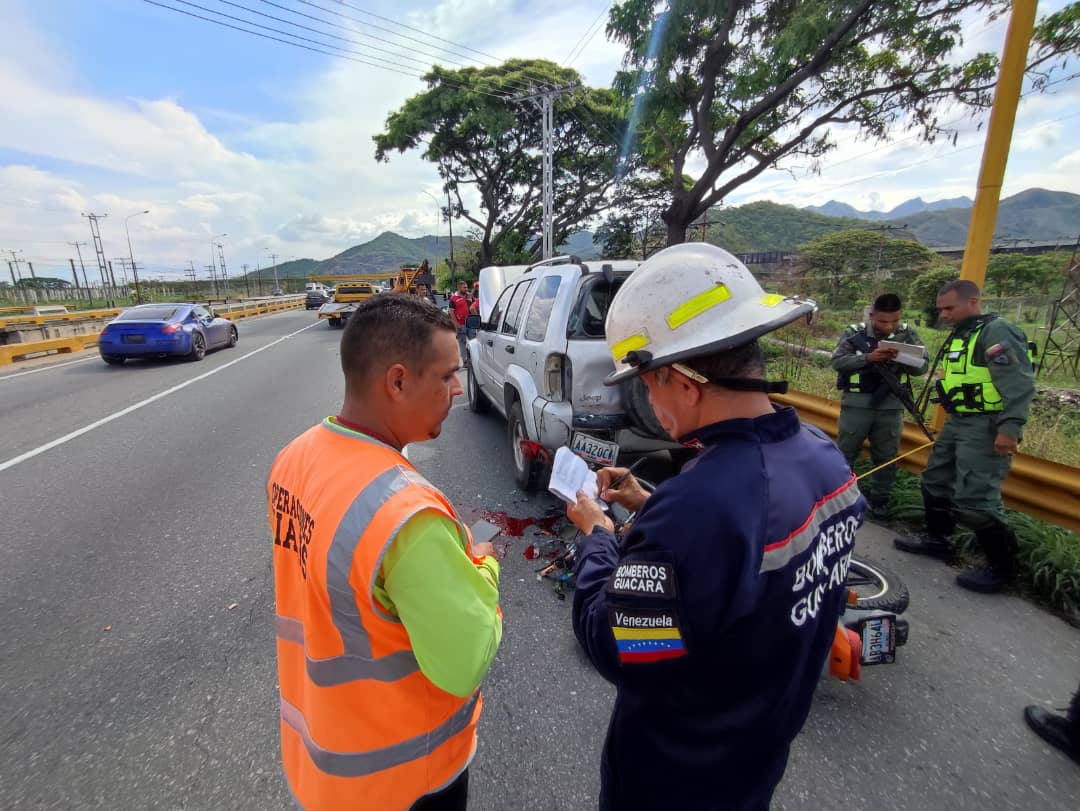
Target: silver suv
540,358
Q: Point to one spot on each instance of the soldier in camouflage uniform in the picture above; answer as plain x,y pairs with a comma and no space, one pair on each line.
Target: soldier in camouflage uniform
869,409
987,391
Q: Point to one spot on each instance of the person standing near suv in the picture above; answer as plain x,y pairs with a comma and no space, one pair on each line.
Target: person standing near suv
387,611
459,308
715,614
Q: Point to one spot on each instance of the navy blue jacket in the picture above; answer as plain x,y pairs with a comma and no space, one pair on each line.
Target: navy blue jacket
715,616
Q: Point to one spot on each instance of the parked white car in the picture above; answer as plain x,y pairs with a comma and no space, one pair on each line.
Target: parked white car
540,358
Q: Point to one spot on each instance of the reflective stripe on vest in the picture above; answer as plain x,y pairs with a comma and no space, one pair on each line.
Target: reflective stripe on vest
967,387
361,764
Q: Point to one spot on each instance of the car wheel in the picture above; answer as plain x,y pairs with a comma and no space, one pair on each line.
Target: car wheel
478,403
114,360
198,346
234,336
527,471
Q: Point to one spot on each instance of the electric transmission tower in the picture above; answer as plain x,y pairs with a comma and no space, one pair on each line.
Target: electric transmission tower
95,233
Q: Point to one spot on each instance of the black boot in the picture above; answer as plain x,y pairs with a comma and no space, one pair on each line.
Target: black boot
998,543
940,524
1057,730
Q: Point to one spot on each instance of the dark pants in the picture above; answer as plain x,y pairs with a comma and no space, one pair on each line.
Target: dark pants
883,428
454,797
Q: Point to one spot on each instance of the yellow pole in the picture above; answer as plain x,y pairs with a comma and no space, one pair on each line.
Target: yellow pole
998,136
996,149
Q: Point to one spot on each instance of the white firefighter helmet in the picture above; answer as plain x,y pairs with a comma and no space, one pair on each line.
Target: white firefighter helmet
690,300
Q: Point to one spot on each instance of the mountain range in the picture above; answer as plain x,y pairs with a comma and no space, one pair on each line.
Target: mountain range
916,205
1033,214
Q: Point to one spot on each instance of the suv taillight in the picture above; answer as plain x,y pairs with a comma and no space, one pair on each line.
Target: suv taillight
558,373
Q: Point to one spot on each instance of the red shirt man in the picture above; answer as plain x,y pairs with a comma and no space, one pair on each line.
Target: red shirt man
459,304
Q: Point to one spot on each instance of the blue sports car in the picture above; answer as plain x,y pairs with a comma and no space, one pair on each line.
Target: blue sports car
153,330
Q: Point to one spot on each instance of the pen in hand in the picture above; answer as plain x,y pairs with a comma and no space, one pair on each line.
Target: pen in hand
624,476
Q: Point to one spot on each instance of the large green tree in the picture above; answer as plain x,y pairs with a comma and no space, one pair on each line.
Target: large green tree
849,266
1011,274
738,86
485,143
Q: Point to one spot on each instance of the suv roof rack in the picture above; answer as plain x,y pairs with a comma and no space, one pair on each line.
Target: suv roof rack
565,259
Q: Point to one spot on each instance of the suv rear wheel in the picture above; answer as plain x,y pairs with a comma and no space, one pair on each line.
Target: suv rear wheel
527,471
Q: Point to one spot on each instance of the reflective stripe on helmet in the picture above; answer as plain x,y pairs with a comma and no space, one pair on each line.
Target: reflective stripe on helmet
629,344
696,305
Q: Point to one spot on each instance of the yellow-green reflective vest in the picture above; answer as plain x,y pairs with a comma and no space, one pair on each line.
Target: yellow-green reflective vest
967,387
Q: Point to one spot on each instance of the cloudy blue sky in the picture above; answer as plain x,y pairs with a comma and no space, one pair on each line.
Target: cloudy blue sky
117,106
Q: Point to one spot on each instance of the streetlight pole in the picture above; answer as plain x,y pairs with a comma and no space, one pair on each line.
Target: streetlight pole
438,217
131,256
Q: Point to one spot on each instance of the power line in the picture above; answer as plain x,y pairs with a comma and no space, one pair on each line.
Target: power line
582,42
298,36
492,61
396,54
340,53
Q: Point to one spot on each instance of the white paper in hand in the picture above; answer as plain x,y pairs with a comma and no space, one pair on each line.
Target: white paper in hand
907,354
569,474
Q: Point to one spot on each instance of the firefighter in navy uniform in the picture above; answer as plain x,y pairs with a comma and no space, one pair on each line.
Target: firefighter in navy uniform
869,408
715,614
987,391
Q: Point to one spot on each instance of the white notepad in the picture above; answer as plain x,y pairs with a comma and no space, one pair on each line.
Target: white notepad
569,474
907,354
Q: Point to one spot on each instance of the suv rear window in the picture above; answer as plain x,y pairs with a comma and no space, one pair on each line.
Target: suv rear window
588,315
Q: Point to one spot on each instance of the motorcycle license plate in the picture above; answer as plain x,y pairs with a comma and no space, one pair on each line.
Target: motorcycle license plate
594,450
878,636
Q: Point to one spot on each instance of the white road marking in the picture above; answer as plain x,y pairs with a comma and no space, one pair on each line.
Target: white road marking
48,368
48,446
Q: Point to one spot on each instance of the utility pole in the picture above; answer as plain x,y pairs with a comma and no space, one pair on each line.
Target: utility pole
78,245
545,102
30,265
258,279
14,286
450,224
95,233
247,281
112,288
273,257
123,262
212,271
75,276
15,259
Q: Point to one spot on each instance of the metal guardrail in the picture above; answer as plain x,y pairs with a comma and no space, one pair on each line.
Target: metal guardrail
75,343
1045,490
27,319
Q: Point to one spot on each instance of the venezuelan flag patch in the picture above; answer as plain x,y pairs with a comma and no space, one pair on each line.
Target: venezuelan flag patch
646,636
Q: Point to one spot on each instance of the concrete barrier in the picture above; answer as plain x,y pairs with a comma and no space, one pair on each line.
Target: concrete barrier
76,343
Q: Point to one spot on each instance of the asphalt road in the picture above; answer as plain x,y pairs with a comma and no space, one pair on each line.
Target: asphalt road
137,653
